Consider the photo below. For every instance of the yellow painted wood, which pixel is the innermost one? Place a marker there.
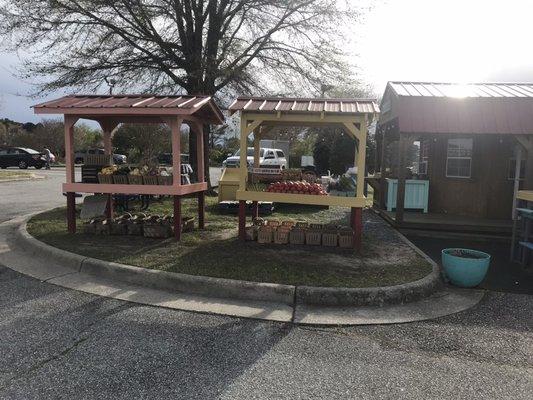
(526, 195)
(360, 161)
(302, 199)
(257, 148)
(304, 118)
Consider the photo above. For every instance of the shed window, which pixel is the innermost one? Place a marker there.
(459, 158)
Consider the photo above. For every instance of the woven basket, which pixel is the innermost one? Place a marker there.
(330, 239)
(288, 223)
(187, 224)
(105, 179)
(345, 240)
(135, 229)
(281, 236)
(164, 180)
(120, 179)
(316, 226)
(135, 179)
(251, 233)
(102, 229)
(89, 228)
(297, 236)
(313, 238)
(118, 229)
(302, 224)
(265, 234)
(273, 223)
(157, 231)
(150, 180)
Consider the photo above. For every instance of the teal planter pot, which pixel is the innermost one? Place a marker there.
(465, 267)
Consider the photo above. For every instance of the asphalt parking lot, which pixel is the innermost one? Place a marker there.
(58, 343)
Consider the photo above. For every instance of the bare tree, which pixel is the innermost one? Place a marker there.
(171, 46)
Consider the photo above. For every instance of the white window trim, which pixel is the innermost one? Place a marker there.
(459, 158)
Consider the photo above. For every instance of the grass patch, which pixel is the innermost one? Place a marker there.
(216, 252)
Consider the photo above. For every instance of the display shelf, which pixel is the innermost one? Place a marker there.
(302, 199)
(176, 190)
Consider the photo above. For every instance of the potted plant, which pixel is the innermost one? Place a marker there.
(465, 267)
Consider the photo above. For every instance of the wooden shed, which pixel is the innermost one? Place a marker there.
(453, 156)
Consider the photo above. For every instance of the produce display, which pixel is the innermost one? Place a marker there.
(298, 187)
(145, 175)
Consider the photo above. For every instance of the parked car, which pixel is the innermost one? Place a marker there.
(267, 158)
(21, 157)
(79, 156)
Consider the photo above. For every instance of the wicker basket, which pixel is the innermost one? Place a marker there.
(158, 231)
(265, 234)
(105, 179)
(89, 228)
(302, 224)
(150, 180)
(313, 238)
(330, 239)
(251, 233)
(345, 239)
(297, 236)
(281, 236)
(102, 229)
(120, 179)
(101, 160)
(135, 229)
(273, 223)
(164, 180)
(316, 226)
(118, 229)
(135, 179)
(187, 224)
(288, 223)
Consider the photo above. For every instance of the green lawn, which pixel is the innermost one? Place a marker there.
(216, 251)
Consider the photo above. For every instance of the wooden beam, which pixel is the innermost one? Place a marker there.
(175, 129)
(361, 160)
(400, 195)
(243, 164)
(70, 121)
(249, 128)
(303, 119)
(257, 148)
(382, 168)
(352, 130)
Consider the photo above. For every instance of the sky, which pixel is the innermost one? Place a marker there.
(420, 40)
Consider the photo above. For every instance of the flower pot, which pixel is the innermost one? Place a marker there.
(465, 267)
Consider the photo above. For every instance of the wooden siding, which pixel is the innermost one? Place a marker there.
(488, 193)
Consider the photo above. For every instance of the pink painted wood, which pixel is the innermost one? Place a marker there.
(175, 127)
(135, 189)
(69, 147)
(200, 151)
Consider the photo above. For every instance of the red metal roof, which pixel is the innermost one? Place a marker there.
(304, 105)
(133, 105)
(480, 108)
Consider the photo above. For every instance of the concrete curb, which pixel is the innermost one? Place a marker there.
(235, 289)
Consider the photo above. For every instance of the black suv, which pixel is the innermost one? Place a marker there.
(21, 157)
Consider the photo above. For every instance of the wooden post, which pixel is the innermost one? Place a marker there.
(382, 168)
(360, 159)
(71, 212)
(516, 177)
(200, 152)
(243, 165)
(242, 219)
(175, 128)
(177, 218)
(201, 210)
(108, 127)
(255, 209)
(357, 224)
(70, 171)
(257, 148)
(400, 195)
